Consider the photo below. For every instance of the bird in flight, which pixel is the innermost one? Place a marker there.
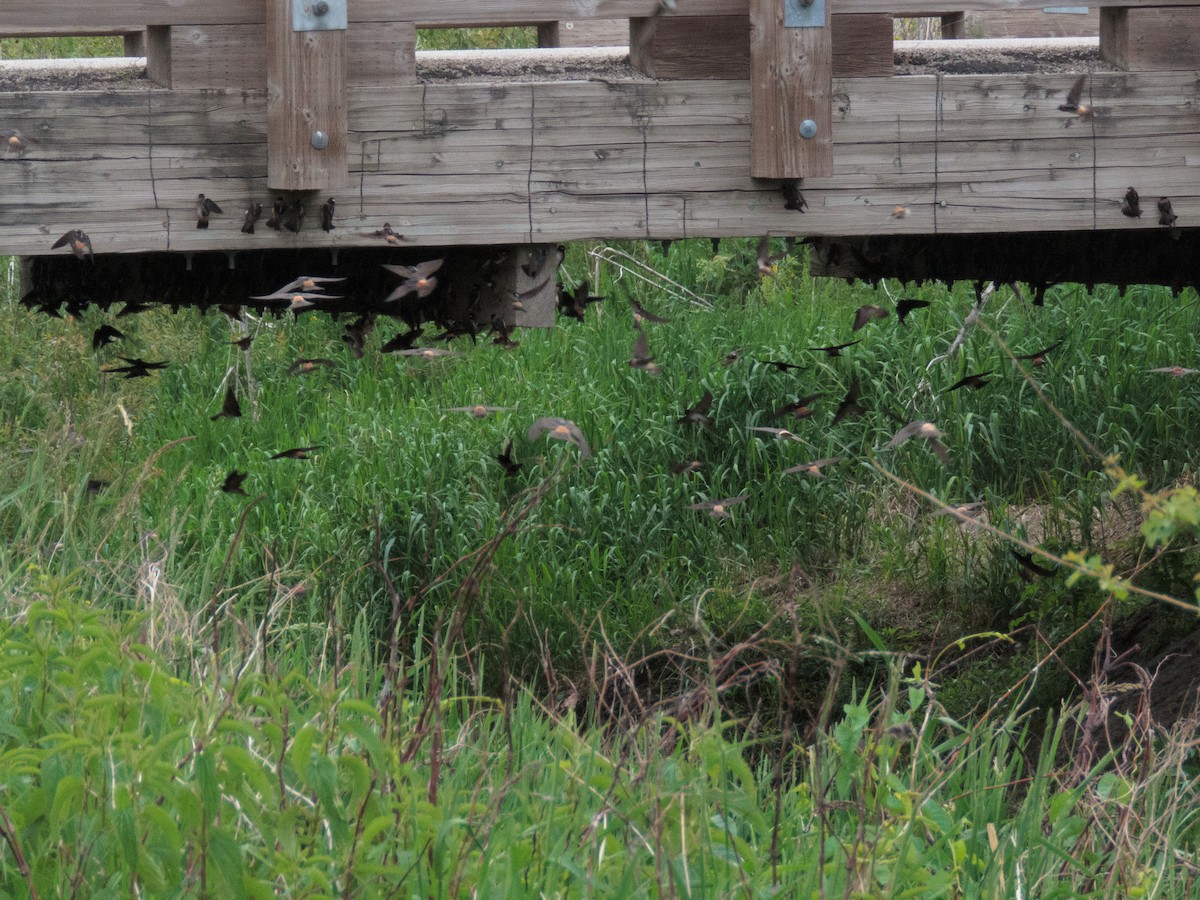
(813, 468)
(928, 432)
(975, 382)
(560, 430)
(233, 482)
(1038, 359)
(78, 241)
(719, 509)
(296, 452)
(834, 350)
(698, 414)
(865, 314)
(230, 409)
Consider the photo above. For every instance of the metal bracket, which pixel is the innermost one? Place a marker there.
(804, 13)
(320, 15)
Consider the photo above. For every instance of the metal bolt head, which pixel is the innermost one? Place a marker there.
(320, 8)
(808, 129)
(320, 140)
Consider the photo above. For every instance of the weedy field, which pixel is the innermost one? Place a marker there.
(393, 668)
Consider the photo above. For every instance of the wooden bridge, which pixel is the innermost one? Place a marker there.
(692, 132)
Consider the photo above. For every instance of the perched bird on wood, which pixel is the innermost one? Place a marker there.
(387, 234)
(278, 208)
(230, 409)
(504, 457)
(1038, 359)
(1131, 204)
(1025, 560)
(559, 430)
(418, 279)
(308, 366)
(641, 355)
(850, 405)
(865, 314)
(780, 365)
(293, 216)
(327, 209)
(719, 509)
(204, 207)
(1167, 217)
(1175, 371)
(233, 482)
(698, 414)
(78, 241)
(253, 211)
(975, 382)
(641, 314)
(105, 335)
(15, 141)
(835, 350)
(800, 409)
(135, 368)
(928, 432)
(905, 306)
(792, 198)
(813, 468)
(296, 452)
(480, 411)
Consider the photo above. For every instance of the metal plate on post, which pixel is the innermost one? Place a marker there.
(323, 15)
(798, 14)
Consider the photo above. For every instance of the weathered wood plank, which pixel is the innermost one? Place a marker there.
(1162, 38)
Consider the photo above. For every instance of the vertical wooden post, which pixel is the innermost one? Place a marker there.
(791, 78)
(306, 99)
(954, 26)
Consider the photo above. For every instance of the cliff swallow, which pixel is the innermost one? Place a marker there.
(719, 509)
(327, 209)
(504, 457)
(503, 334)
(305, 283)
(865, 314)
(242, 343)
(905, 306)
(204, 207)
(427, 352)
(800, 409)
(479, 411)
(1167, 217)
(975, 382)
(278, 208)
(1026, 562)
(96, 485)
(1073, 104)
(780, 365)
(850, 405)
(928, 432)
(15, 141)
(80, 243)
(402, 341)
(764, 259)
(813, 468)
(1038, 359)
(418, 279)
(230, 409)
(1174, 371)
(105, 335)
(293, 216)
(641, 355)
(835, 350)
(780, 434)
(1131, 204)
(792, 198)
(641, 314)
(135, 368)
(132, 308)
(559, 430)
(355, 335)
(296, 452)
(686, 468)
(537, 259)
(233, 482)
(304, 366)
(698, 414)
(574, 303)
(716, 245)
(731, 357)
(387, 234)
(253, 211)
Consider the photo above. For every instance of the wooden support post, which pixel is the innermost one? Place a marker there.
(954, 25)
(306, 100)
(791, 77)
(135, 43)
(1149, 39)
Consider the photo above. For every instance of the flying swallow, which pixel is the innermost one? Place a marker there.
(297, 452)
(1073, 104)
(204, 206)
(865, 314)
(242, 343)
(253, 211)
(731, 357)
(801, 408)
(136, 368)
(305, 283)
(479, 411)
(1131, 204)
(230, 409)
(132, 308)
(233, 482)
(504, 457)
(355, 335)
(80, 243)
(780, 365)
(1026, 562)
(294, 215)
(835, 350)
(105, 335)
(304, 366)
(1175, 371)
(278, 208)
(792, 198)
(641, 354)
(686, 468)
(559, 430)
(574, 303)
(402, 341)
(905, 306)
(764, 258)
(850, 405)
(96, 485)
(780, 434)
(641, 314)
(928, 432)
(503, 334)
(15, 141)
(327, 209)
(719, 509)
(813, 468)
(963, 510)
(418, 279)
(975, 382)
(1038, 359)
(698, 414)
(387, 234)
(427, 352)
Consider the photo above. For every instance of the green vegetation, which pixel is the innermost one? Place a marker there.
(60, 48)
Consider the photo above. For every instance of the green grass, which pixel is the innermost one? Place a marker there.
(60, 48)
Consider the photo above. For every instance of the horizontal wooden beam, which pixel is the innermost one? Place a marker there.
(460, 163)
